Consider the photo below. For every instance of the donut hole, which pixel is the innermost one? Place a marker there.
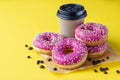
(68, 51)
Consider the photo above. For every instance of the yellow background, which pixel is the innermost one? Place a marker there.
(21, 20)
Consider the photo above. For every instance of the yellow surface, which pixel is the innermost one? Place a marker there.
(21, 20)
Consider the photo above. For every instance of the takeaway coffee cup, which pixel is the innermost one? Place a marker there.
(70, 16)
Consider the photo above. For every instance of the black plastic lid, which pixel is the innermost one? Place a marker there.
(71, 12)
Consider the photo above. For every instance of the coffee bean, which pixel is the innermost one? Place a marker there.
(49, 59)
(38, 61)
(98, 61)
(101, 69)
(89, 59)
(106, 68)
(30, 48)
(55, 69)
(26, 45)
(105, 72)
(28, 57)
(103, 60)
(94, 62)
(42, 66)
(107, 57)
(41, 61)
(118, 71)
(95, 70)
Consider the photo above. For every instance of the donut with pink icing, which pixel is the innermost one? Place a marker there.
(91, 33)
(44, 42)
(96, 51)
(69, 53)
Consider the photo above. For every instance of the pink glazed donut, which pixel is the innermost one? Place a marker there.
(96, 51)
(91, 34)
(44, 42)
(69, 53)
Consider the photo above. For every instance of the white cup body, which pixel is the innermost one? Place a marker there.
(67, 27)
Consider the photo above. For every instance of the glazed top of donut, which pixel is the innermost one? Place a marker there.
(46, 40)
(91, 32)
(78, 47)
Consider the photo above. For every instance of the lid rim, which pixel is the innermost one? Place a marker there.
(65, 17)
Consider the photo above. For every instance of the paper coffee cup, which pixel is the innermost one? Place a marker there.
(70, 16)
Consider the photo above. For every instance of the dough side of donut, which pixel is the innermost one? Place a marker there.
(73, 66)
(96, 55)
(43, 51)
(93, 43)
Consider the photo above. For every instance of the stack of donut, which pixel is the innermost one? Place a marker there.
(70, 53)
(94, 36)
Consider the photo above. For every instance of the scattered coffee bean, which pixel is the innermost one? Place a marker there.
(55, 69)
(94, 62)
(89, 59)
(95, 70)
(42, 66)
(105, 72)
(28, 57)
(30, 48)
(49, 59)
(101, 69)
(98, 61)
(118, 71)
(38, 61)
(26, 45)
(107, 57)
(106, 68)
(103, 60)
(41, 61)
